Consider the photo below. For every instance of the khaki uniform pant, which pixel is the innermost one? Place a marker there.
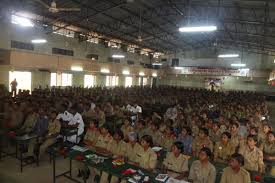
(104, 178)
(44, 146)
(31, 146)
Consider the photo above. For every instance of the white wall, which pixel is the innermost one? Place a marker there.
(197, 59)
(229, 82)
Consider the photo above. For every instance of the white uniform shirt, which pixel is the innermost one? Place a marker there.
(129, 107)
(137, 109)
(92, 106)
(66, 116)
(77, 119)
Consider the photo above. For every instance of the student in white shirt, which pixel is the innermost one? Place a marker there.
(64, 116)
(76, 121)
(137, 109)
(93, 105)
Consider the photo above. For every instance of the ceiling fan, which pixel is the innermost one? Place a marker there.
(53, 7)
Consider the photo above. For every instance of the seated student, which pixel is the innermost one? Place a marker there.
(104, 140)
(262, 135)
(215, 132)
(163, 125)
(90, 140)
(29, 123)
(53, 131)
(202, 140)
(40, 129)
(253, 156)
(235, 138)
(202, 171)
(243, 129)
(142, 155)
(41, 125)
(76, 122)
(194, 128)
(167, 138)
(146, 158)
(186, 138)
(154, 132)
(126, 128)
(118, 150)
(92, 134)
(176, 164)
(268, 148)
(132, 147)
(235, 173)
(223, 149)
(16, 117)
(100, 116)
(140, 129)
(64, 116)
(253, 131)
(102, 146)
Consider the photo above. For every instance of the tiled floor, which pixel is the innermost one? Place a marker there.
(10, 172)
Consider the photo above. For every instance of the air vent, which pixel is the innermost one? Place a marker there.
(92, 56)
(175, 62)
(59, 51)
(44, 70)
(22, 45)
(130, 62)
(116, 60)
(113, 60)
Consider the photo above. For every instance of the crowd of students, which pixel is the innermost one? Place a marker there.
(125, 123)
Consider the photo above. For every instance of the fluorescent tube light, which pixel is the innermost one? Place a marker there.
(125, 72)
(244, 69)
(141, 74)
(238, 65)
(22, 21)
(77, 68)
(154, 74)
(39, 41)
(63, 34)
(105, 70)
(178, 68)
(198, 29)
(228, 56)
(156, 63)
(118, 56)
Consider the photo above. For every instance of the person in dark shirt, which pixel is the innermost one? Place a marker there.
(13, 85)
(40, 129)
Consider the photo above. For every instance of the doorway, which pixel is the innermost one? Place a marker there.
(24, 80)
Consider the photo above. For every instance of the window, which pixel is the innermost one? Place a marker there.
(175, 62)
(24, 80)
(111, 80)
(130, 62)
(89, 81)
(128, 81)
(53, 79)
(60, 51)
(22, 45)
(66, 79)
(144, 81)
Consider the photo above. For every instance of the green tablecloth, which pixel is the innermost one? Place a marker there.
(108, 166)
